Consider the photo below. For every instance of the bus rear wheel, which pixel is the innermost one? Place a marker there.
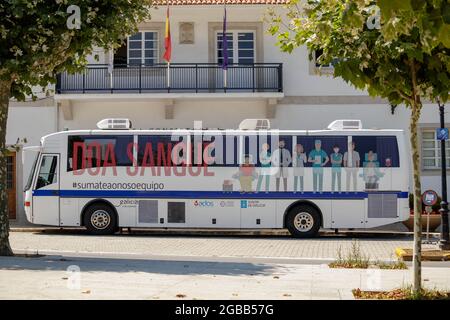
(100, 219)
(303, 221)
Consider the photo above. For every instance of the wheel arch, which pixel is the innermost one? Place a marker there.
(98, 201)
(300, 202)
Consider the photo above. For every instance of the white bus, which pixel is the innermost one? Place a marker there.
(342, 177)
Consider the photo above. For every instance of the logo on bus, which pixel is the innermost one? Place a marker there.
(203, 203)
(252, 204)
(228, 203)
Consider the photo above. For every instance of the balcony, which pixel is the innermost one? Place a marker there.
(179, 78)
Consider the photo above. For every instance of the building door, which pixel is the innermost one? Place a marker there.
(11, 184)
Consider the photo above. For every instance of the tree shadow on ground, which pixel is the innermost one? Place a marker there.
(124, 265)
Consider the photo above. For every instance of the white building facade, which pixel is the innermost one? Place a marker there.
(262, 82)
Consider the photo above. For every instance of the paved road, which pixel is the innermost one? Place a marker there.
(196, 267)
(280, 247)
(57, 277)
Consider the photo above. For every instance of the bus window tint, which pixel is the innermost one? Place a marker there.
(262, 146)
(313, 144)
(250, 148)
(231, 151)
(201, 151)
(98, 151)
(206, 151)
(157, 150)
(384, 149)
(264, 150)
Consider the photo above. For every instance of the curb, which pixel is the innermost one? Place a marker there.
(222, 232)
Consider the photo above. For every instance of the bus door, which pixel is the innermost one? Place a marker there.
(46, 191)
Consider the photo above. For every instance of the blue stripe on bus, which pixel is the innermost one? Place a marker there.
(210, 194)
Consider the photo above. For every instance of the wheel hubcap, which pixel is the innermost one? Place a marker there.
(303, 221)
(100, 219)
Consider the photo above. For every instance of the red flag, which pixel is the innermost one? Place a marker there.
(167, 40)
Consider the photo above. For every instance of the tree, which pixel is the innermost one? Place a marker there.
(41, 38)
(394, 49)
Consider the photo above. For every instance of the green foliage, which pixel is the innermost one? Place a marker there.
(35, 42)
(412, 43)
(397, 265)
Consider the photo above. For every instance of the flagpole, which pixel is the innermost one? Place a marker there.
(168, 76)
(168, 61)
(110, 68)
(225, 79)
(224, 35)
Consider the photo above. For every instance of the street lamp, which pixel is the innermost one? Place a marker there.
(444, 242)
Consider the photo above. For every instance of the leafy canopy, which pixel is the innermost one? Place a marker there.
(36, 43)
(383, 46)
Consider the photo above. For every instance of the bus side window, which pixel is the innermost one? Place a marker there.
(383, 150)
(47, 171)
(206, 151)
(311, 146)
(156, 151)
(96, 151)
(250, 149)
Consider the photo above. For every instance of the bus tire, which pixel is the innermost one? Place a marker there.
(100, 219)
(303, 221)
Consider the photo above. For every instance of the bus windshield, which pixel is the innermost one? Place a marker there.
(30, 176)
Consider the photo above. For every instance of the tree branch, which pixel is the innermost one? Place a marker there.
(412, 66)
(404, 95)
(401, 93)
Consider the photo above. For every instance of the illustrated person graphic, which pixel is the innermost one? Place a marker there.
(319, 159)
(351, 164)
(299, 160)
(336, 164)
(388, 163)
(281, 157)
(371, 171)
(246, 175)
(265, 160)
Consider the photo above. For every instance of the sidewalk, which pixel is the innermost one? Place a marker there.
(105, 278)
(325, 247)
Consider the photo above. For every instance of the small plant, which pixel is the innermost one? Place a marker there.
(405, 293)
(353, 259)
(356, 259)
(398, 265)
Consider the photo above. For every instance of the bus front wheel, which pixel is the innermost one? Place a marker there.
(100, 219)
(303, 221)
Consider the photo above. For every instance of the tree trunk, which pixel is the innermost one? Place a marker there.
(417, 252)
(5, 248)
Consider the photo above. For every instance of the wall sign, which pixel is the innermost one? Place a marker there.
(442, 133)
(186, 33)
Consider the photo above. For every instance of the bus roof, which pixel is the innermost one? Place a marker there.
(222, 131)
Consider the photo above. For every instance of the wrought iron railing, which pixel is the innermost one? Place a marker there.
(179, 77)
